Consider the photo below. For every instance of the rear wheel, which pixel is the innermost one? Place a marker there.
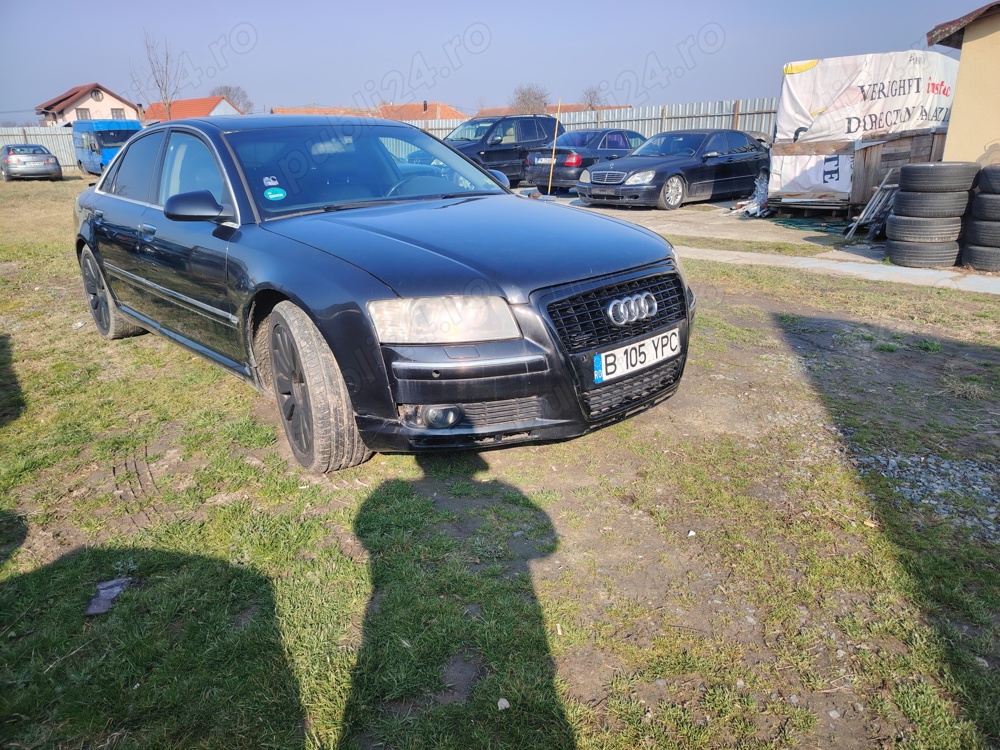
(313, 402)
(6, 177)
(673, 193)
(108, 319)
(544, 189)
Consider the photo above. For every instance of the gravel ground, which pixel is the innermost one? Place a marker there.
(966, 492)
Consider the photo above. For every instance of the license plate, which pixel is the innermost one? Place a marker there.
(625, 360)
(602, 191)
(544, 160)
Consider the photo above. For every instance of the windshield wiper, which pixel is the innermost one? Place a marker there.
(363, 204)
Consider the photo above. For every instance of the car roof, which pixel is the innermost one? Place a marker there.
(234, 123)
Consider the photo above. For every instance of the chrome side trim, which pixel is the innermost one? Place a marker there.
(172, 295)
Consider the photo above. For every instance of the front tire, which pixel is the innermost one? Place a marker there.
(103, 308)
(673, 193)
(312, 399)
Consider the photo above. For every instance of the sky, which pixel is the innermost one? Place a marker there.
(466, 54)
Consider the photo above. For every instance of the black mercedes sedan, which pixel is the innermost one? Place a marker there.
(385, 309)
(574, 152)
(672, 168)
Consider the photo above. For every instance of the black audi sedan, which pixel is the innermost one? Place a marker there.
(574, 152)
(672, 168)
(385, 309)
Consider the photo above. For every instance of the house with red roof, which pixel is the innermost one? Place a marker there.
(329, 111)
(89, 101)
(208, 106)
(420, 111)
(403, 112)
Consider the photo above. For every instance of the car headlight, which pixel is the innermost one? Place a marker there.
(585, 176)
(443, 320)
(641, 178)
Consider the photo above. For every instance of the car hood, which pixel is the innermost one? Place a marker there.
(642, 163)
(499, 244)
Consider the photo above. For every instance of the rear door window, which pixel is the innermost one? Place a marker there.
(528, 130)
(135, 169)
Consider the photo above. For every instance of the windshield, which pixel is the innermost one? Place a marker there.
(576, 139)
(671, 144)
(113, 138)
(473, 130)
(323, 167)
(28, 150)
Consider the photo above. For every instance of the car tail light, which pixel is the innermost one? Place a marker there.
(50, 160)
(574, 160)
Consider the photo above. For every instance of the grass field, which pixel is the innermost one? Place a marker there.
(728, 569)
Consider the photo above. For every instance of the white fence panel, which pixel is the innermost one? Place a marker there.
(741, 114)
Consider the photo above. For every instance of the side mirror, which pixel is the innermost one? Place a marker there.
(495, 140)
(199, 205)
(500, 177)
(710, 155)
(94, 147)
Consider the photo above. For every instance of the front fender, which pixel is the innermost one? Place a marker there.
(331, 292)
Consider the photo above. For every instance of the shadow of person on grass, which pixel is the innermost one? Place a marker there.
(454, 650)
(189, 655)
(11, 397)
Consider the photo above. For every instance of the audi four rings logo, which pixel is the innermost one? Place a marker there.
(627, 310)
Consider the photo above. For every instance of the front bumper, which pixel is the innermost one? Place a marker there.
(619, 195)
(541, 387)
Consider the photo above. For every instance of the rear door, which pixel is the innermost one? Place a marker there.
(124, 198)
(746, 162)
(184, 262)
(717, 170)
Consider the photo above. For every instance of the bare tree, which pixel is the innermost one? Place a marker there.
(237, 96)
(529, 99)
(592, 96)
(161, 76)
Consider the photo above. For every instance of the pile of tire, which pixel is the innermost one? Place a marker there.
(926, 219)
(981, 249)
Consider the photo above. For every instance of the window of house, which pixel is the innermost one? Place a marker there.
(82, 113)
(117, 114)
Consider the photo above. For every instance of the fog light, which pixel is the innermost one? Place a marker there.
(440, 417)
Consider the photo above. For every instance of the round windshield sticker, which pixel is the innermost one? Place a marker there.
(274, 194)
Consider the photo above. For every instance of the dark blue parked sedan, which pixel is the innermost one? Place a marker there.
(672, 168)
(574, 152)
(385, 305)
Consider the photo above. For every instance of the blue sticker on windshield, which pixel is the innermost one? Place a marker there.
(274, 194)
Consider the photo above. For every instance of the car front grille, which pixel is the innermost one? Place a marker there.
(607, 178)
(493, 413)
(634, 389)
(582, 324)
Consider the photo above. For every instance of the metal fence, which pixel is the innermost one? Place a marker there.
(740, 114)
(57, 140)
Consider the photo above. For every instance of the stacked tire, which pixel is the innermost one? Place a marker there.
(982, 234)
(926, 219)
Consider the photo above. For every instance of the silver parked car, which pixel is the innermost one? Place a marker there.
(26, 160)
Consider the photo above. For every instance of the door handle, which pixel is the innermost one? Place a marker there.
(147, 229)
